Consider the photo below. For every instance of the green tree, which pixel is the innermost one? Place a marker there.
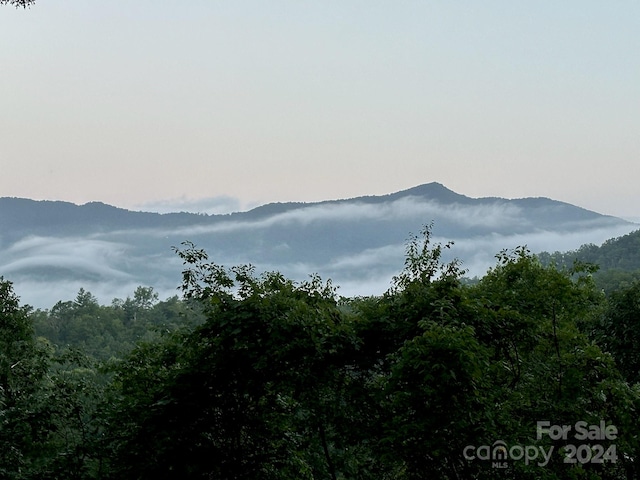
(427, 365)
(618, 330)
(253, 392)
(109, 331)
(258, 376)
(23, 365)
(460, 365)
(69, 446)
(533, 318)
(18, 3)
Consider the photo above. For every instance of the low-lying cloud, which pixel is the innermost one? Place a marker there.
(493, 215)
(221, 204)
(96, 257)
(359, 245)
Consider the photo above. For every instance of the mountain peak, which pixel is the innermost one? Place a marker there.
(432, 191)
(356, 242)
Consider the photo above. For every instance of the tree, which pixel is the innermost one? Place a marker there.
(534, 319)
(254, 392)
(428, 365)
(23, 365)
(464, 365)
(18, 3)
(69, 446)
(619, 330)
(258, 376)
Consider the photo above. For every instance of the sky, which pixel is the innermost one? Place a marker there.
(219, 106)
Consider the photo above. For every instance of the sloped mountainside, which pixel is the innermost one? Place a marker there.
(50, 249)
(618, 260)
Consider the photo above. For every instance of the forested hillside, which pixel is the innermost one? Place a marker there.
(531, 373)
(618, 260)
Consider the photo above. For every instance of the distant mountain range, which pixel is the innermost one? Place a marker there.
(50, 249)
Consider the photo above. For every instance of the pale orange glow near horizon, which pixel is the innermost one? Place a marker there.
(254, 102)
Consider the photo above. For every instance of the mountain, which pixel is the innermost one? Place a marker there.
(618, 260)
(50, 249)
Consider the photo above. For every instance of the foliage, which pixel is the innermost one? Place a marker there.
(618, 330)
(618, 260)
(545, 367)
(18, 3)
(248, 394)
(105, 332)
(23, 365)
(256, 376)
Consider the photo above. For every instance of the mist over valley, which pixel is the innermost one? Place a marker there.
(52, 249)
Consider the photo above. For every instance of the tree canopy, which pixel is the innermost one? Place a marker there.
(18, 3)
(253, 375)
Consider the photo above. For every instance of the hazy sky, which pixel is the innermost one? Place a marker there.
(236, 103)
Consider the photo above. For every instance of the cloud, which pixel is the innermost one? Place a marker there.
(45, 294)
(66, 246)
(491, 215)
(220, 204)
(369, 258)
(87, 256)
(478, 253)
(360, 246)
(79, 266)
(45, 270)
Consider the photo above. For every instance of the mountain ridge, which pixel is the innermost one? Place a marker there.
(359, 242)
(433, 191)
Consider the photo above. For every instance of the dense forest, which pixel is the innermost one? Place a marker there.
(618, 260)
(529, 373)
